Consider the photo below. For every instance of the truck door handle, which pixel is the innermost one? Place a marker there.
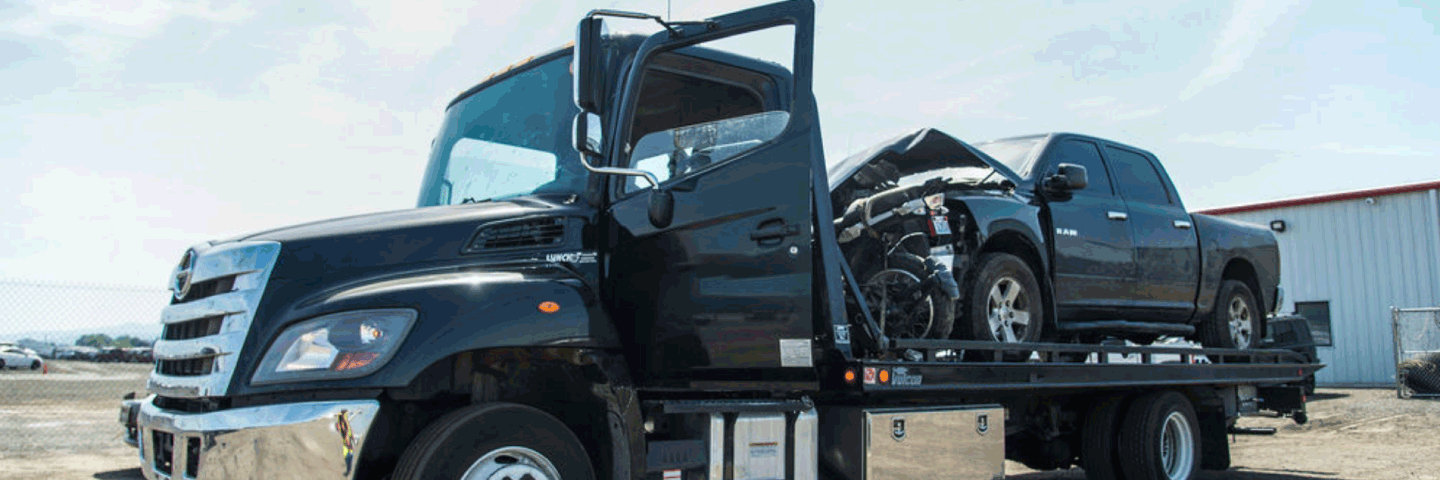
(1182, 224)
(773, 230)
(1113, 215)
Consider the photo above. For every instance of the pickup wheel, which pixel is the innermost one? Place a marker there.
(1160, 438)
(1003, 304)
(1235, 320)
(35, 365)
(497, 441)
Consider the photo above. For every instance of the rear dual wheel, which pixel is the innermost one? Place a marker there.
(1156, 436)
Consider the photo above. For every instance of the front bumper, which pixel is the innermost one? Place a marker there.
(311, 441)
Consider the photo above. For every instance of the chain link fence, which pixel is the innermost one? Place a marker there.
(57, 396)
(1417, 351)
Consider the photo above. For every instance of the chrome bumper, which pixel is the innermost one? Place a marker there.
(311, 441)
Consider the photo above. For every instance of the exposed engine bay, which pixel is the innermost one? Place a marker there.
(906, 243)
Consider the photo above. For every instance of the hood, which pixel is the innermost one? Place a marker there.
(380, 241)
(917, 151)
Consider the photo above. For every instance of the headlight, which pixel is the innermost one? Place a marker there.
(339, 345)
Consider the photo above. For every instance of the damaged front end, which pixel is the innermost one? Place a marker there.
(900, 232)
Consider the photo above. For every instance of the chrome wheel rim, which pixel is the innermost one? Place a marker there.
(1008, 310)
(1177, 447)
(898, 315)
(1241, 322)
(512, 463)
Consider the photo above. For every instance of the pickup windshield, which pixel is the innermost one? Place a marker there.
(509, 139)
(1016, 153)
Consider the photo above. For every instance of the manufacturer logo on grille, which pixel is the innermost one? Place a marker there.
(180, 281)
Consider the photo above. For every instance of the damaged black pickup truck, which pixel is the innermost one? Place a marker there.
(1057, 237)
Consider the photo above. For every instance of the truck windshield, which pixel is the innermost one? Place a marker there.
(509, 139)
(1016, 153)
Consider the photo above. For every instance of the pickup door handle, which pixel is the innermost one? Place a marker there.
(1114, 215)
(1182, 224)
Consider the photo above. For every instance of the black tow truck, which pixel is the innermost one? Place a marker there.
(624, 266)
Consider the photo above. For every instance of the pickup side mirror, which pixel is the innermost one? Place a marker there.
(1068, 177)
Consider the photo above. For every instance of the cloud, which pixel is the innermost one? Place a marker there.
(1109, 109)
(102, 31)
(1237, 41)
(1387, 150)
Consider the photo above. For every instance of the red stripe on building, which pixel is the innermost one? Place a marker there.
(1326, 198)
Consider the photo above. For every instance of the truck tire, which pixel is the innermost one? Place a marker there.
(1235, 321)
(1004, 302)
(1160, 438)
(1097, 440)
(495, 441)
(34, 364)
(2, 364)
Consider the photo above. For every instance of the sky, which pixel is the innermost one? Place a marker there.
(134, 128)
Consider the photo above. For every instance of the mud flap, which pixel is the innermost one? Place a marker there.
(1214, 443)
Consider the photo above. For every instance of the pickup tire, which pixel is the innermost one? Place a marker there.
(1235, 321)
(1004, 302)
(1160, 438)
(496, 441)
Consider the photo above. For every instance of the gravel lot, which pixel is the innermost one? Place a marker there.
(62, 426)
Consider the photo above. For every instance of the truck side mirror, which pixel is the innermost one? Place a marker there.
(1068, 177)
(587, 59)
(588, 134)
(662, 207)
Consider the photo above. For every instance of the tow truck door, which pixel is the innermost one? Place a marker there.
(720, 291)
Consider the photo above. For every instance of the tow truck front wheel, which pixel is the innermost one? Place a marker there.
(498, 441)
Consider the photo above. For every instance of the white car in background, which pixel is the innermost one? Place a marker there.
(16, 357)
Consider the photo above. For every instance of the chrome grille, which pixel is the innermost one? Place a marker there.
(185, 368)
(205, 327)
(200, 327)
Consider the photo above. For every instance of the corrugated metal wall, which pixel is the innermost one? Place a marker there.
(1362, 258)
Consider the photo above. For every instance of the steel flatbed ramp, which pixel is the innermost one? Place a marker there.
(945, 365)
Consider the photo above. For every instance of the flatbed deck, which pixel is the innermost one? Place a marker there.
(952, 365)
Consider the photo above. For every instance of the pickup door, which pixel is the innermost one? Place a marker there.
(1094, 256)
(1166, 250)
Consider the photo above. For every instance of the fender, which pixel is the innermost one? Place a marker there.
(1223, 240)
(459, 310)
(998, 215)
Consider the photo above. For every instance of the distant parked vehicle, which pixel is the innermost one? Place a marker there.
(16, 357)
(139, 355)
(111, 355)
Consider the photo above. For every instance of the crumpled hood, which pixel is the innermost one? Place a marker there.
(922, 149)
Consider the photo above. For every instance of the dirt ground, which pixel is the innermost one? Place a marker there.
(63, 426)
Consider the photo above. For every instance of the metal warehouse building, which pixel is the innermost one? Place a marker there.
(1346, 258)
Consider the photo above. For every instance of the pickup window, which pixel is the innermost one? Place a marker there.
(1086, 154)
(1137, 177)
